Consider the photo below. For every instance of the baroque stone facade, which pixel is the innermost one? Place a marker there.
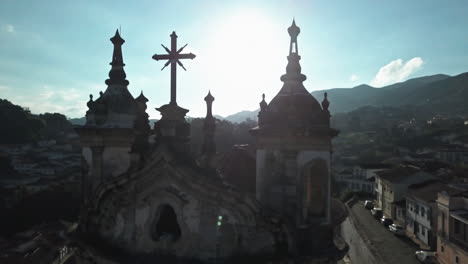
(144, 195)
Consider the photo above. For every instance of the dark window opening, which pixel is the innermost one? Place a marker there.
(167, 228)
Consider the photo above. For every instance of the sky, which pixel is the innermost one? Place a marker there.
(53, 54)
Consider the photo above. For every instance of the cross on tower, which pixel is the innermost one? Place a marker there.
(172, 58)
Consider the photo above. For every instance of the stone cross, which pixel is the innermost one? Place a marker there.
(174, 55)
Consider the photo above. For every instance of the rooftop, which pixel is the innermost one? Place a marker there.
(461, 215)
(428, 191)
(404, 174)
(371, 166)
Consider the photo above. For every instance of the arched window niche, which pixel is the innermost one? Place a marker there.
(166, 227)
(315, 189)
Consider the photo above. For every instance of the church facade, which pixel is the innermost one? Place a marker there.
(145, 195)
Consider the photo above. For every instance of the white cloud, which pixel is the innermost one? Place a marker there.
(353, 77)
(8, 28)
(77, 109)
(70, 94)
(69, 102)
(46, 94)
(396, 71)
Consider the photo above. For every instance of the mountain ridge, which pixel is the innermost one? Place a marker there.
(440, 92)
(397, 94)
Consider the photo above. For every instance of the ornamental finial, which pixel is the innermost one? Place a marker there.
(263, 104)
(117, 74)
(142, 98)
(325, 102)
(209, 102)
(293, 31)
(90, 102)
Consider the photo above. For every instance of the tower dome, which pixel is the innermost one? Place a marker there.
(293, 106)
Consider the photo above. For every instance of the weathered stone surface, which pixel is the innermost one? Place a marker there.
(125, 212)
(147, 200)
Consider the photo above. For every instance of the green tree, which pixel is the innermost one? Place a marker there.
(55, 125)
(18, 124)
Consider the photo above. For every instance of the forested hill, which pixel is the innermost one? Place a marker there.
(20, 126)
(441, 93)
(438, 93)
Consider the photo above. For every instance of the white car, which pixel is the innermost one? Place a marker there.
(396, 229)
(425, 256)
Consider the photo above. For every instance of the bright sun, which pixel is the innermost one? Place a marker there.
(245, 58)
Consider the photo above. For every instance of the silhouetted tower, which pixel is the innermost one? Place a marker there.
(142, 128)
(117, 74)
(109, 132)
(294, 148)
(209, 126)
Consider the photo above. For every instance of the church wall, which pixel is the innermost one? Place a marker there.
(120, 120)
(279, 178)
(360, 249)
(275, 180)
(86, 178)
(307, 156)
(130, 221)
(86, 152)
(132, 224)
(116, 161)
(260, 175)
(148, 215)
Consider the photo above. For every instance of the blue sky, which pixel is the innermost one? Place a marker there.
(53, 54)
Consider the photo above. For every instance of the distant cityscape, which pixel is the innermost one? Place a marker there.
(358, 175)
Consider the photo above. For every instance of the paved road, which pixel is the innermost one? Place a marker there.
(393, 249)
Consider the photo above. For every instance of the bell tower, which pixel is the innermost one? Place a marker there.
(109, 132)
(294, 148)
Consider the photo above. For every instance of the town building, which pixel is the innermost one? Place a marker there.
(361, 178)
(453, 154)
(452, 228)
(393, 185)
(45, 243)
(421, 211)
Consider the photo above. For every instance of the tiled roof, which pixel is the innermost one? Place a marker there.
(398, 174)
(428, 191)
(371, 166)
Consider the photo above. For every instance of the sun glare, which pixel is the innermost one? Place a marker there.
(244, 59)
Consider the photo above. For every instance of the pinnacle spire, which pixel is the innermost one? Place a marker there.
(293, 69)
(142, 98)
(118, 41)
(209, 126)
(293, 31)
(117, 38)
(209, 102)
(263, 103)
(325, 102)
(117, 74)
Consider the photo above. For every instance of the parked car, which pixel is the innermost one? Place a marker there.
(426, 256)
(377, 213)
(396, 229)
(386, 221)
(368, 204)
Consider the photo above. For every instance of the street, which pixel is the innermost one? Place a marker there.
(392, 249)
